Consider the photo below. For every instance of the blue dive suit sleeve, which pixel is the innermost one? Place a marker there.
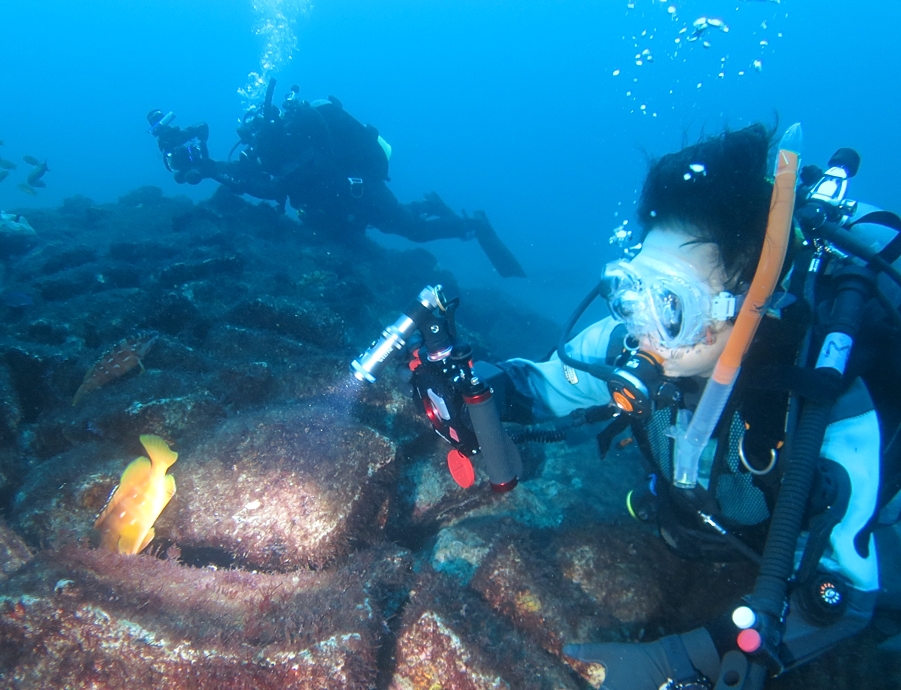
(548, 389)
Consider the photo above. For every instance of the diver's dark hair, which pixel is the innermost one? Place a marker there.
(720, 187)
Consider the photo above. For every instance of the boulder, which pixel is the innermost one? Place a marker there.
(16, 235)
(81, 618)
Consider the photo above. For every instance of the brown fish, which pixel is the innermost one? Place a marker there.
(7, 165)
(31, 160)
(3, 175)
(124, 357)
(28, 189)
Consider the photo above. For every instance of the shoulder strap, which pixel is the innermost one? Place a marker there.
(892, 250)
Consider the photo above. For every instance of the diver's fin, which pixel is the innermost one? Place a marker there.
(497, 252)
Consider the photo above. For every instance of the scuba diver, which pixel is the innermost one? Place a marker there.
(331, 168)
(753, 351)
(749, 363)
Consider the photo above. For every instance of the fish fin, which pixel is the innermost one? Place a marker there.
(135, 473)
(128, 542)
(109, 540)
(159, 450)
(151, 533)
(89, 384)
(170, 487)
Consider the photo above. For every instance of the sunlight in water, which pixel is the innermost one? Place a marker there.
(276, 24)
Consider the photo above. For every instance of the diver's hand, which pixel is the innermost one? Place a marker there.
(434, 205)
(649, 666)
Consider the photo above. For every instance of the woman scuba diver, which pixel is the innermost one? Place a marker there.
(729, 351)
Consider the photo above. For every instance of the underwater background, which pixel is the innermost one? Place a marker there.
(316, 538)
(502, 105)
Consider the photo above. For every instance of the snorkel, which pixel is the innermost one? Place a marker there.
(692, 436)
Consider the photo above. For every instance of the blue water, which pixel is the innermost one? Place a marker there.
(511, 106)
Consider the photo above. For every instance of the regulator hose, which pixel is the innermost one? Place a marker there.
(771, 586)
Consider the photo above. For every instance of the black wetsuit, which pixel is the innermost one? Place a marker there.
(333, 170)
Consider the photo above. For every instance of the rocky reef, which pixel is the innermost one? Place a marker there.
(315, 539)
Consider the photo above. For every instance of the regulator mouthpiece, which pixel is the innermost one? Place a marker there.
(638, 386)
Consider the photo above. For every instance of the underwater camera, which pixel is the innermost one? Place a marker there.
(184, 150)
(458, 404)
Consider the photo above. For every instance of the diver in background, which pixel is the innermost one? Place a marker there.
(329, 167)
(704, 217)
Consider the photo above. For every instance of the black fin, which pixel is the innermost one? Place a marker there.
(500, 257)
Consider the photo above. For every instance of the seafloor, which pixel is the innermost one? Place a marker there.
(316, 539)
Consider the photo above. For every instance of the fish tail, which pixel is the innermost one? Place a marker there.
(159, 450)
(90, 384)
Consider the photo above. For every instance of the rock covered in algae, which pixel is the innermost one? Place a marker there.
(611, 583)
(77, 618)
(16, 234)
(524, 587)
(449, 639)
(13, 551)
(277, 490)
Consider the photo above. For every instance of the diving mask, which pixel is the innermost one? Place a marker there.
(655, 300)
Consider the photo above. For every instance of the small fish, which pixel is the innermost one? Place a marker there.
(126, 522)
(31, 160)
(28, 189)
(3, 175)
(7, 165)
(37, 172)
(124, 357)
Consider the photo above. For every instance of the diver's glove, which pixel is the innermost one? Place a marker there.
(675, 662)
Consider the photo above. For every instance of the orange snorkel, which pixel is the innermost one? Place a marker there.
(691, 438)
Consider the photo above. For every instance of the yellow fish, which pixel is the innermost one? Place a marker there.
(126, 522)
